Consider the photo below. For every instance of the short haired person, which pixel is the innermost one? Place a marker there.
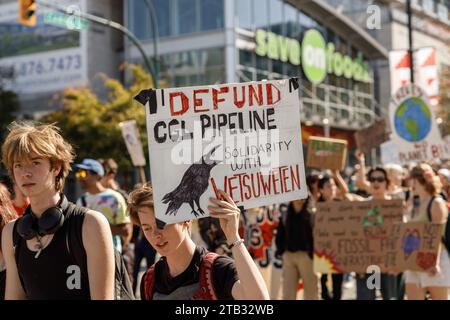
(177, 275)
(436, 280)
(104, 200)
(39, 264)
(111, 168)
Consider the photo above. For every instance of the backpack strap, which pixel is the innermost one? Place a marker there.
(206, 290)
(149, 282)
(430, 218)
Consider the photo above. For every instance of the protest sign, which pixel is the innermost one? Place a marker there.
(418, 244)
(351, 236)
(130, 134)
(372, 136)
(241, 138)
(389, 153)
(326, 153)
(414, 129)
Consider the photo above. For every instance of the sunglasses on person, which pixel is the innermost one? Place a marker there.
(82, 174)
(377, 179)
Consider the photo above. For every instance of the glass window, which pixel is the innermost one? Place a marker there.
(212, 14)
(262, 76)
(291, 70)
(214, 76)
(243, 13)
(277, 66)
(260, 13)
(215, 57)
(187, 16)
(276, 16)
(245, 58)
(245, 76)
(262, 63)
(139, 20)
(164, 63)
(292, 27)
(162, 13)
(306, 22)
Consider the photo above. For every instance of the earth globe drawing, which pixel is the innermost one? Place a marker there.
(412, 119)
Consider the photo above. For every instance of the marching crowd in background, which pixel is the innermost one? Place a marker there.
(209, 258)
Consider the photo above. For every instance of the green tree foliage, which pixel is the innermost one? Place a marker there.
(92, 124)
(9, 105)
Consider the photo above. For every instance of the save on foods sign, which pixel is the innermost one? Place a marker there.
(317, 57)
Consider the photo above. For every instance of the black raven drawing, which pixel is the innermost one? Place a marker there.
(193, 184)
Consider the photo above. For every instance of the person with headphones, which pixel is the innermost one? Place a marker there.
(36, 247)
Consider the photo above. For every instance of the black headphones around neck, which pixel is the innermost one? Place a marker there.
(29, 226)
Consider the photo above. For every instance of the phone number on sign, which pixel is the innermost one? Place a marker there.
(49, 65)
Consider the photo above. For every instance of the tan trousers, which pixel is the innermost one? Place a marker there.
(298, 265)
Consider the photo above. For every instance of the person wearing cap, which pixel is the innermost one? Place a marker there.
(104, 200)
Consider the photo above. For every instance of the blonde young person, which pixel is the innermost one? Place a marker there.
(187, 271)
(436, 280)
(35, 247)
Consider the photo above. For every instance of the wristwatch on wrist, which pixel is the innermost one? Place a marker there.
(235, 243)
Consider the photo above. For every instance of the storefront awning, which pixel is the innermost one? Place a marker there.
(343, 26)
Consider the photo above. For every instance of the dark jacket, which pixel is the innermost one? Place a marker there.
(295, 231)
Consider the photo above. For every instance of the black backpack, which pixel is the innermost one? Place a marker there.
(74, 239)
(446, 237)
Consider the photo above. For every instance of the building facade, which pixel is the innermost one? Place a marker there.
(39, 62)
(430, 28)
(215, 41)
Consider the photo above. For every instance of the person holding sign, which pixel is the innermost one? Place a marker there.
(186, 271)
(329, 186)
(436, 281)
(378, 187)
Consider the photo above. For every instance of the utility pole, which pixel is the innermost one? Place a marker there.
(154, 21)
(108, 23)
(410, 40)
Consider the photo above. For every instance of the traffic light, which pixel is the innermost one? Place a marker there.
(27, 13)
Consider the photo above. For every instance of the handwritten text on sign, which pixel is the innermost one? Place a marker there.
(326, 153)
(241, 138)
(350, 236)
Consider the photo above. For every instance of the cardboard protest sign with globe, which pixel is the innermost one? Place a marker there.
(414, 129)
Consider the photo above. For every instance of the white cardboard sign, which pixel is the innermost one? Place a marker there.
(414, 129)
(242, 138)
(130, 134)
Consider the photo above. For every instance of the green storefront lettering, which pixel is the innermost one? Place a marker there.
(316, 57)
